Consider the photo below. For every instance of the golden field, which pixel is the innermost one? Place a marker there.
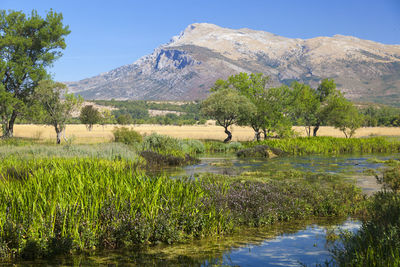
(79, 134)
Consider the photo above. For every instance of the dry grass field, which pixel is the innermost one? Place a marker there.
(79, 133)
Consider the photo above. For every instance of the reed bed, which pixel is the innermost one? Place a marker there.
(55, 206)
(332, 145)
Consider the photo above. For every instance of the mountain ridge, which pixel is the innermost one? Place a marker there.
(188, 65)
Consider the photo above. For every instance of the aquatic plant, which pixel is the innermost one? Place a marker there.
(377, 243)
(54, 206)
(331, 145)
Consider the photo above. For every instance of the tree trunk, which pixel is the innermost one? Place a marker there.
(9, 131)
(308, 131)
(58, 137)
(316, 128)
(265, 134)
(229, 138)
(257, 135)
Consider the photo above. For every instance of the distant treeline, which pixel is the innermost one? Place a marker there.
(137, 112)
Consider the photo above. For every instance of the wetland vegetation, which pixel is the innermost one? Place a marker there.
(57, 200)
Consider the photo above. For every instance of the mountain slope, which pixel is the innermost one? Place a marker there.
(186, 67)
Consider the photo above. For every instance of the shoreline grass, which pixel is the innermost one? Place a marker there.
(331, 145)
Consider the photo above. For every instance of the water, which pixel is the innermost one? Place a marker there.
(354, 167)
(288, 244)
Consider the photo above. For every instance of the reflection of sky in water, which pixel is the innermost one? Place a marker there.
(306, 246)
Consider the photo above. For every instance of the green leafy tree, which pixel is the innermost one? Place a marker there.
(277, 103)
(57, 103)
(253, 87)
(343, 115)
(306, 105)
(106, 117)
(28, 46)
(327, 88)
(228, 107)
(124, 119)
(89, 116)
(7, 105)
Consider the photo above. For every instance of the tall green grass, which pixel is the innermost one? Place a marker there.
(331, 145)
(54, 206)
(69, 204)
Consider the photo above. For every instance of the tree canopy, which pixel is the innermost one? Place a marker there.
(28, 46)
(228, 107)
(89, 116)
(57, 103)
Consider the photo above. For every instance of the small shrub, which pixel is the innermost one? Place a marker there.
(234, 146)
(162, 144)
(127, 136)
(193, 146)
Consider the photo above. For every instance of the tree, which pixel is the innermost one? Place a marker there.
(277, 103)
(89, 116)
(325, 89)
(106, 117)
(7, 105)
(28, 46)
(306, 105)
(343, 115)
(253, 87)
(228, 107)
(124, 119)
(57, 109)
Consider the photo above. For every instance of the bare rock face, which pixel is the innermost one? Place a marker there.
(186, 67)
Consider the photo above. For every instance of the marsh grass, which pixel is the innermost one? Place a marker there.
(55, 206)
(331, 145)
(28, 150)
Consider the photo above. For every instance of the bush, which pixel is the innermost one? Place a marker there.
(193, 146)
(127, 136)
(162, 144)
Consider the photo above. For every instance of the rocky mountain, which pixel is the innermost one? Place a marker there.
(187, 66)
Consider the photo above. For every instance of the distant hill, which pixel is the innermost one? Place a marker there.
(186, 67)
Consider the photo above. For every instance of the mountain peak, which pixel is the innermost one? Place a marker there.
(187, 67)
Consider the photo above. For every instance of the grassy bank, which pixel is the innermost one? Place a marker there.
(50, 207)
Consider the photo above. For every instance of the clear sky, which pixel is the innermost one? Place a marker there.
(106, 34)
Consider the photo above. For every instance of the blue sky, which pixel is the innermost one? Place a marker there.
(108, 34)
